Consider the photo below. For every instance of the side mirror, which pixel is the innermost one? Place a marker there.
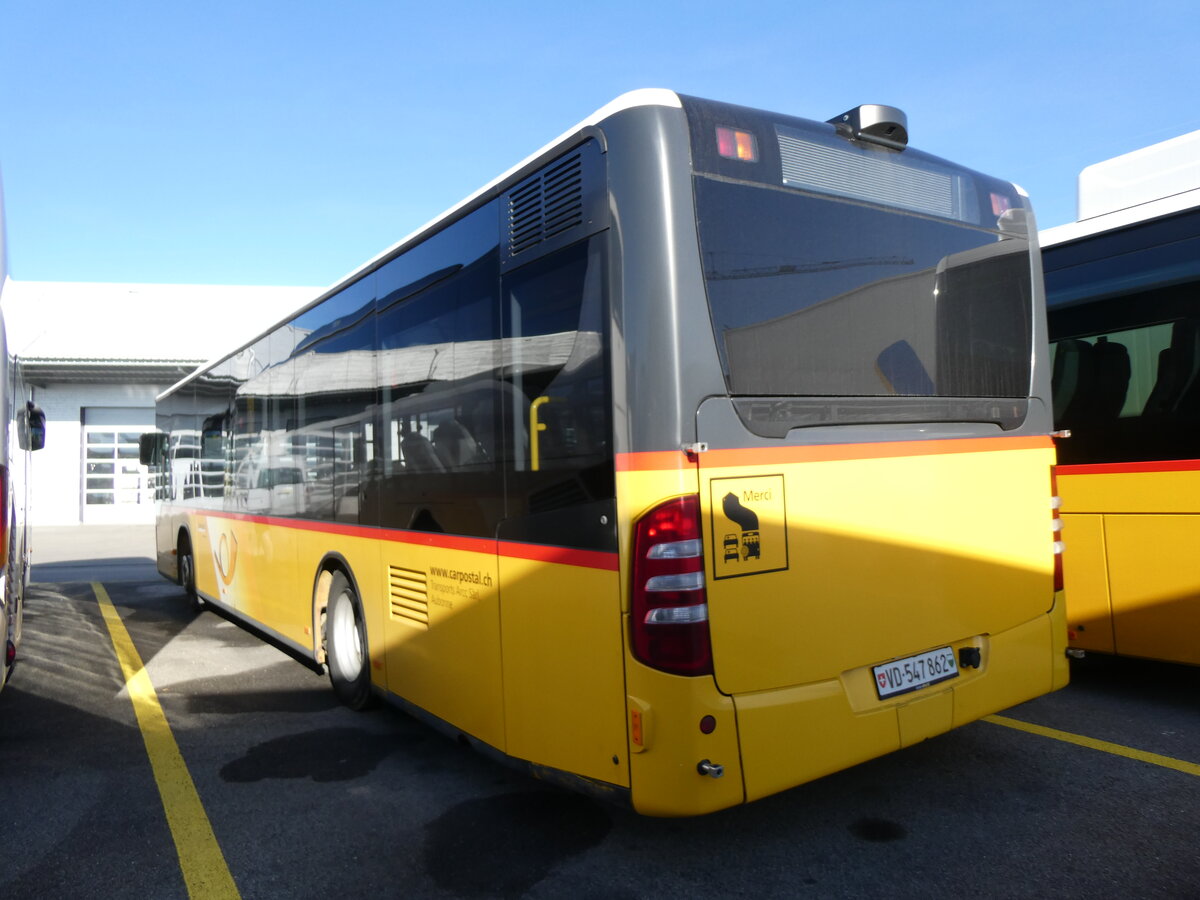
(152, 448)
(36, 425)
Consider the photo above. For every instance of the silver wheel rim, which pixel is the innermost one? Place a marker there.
(185, 570)
(345, 637)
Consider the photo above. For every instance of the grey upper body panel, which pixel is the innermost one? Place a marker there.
(667, 373)
(669, 389)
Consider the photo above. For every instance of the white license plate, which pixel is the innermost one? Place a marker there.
(915, 672)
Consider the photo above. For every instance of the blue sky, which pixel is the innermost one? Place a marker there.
(286, 142)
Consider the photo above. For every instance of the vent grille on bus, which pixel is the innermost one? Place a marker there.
(409, 591)
(880, 177)
(547, 205)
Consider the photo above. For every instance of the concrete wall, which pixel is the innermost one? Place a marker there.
(58, 468)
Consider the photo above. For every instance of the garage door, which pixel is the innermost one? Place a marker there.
(115, 487)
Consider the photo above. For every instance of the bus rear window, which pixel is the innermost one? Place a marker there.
(847, 312)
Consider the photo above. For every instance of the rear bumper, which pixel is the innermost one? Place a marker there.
(793, 735)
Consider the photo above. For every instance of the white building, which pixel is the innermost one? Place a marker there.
(96, 355)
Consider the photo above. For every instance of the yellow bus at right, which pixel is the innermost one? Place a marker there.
(1123, 301)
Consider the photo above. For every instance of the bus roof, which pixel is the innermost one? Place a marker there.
(1146, 184)
(628, 100)
(643, 97)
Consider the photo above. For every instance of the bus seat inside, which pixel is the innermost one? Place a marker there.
(1071, 380)
(1110, 361)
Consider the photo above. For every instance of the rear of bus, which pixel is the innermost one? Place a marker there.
(834, 475)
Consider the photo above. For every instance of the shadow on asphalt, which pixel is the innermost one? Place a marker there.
(1138, 679)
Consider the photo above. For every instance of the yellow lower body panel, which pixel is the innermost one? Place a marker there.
(1132, 583)
(562, 674)
(1155, 586)
(664, 776)
(796, 734)
(925, 717)
(1085, 570)
(1022, 663)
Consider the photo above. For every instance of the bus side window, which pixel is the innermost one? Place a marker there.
(557, 411)
(439, 368)
(1185, 362)
(214, 440)
(1108, 387)
(554, 350)
(1112, 378)
(1071, 379)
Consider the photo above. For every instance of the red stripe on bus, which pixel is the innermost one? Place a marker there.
(432, 539)
(587, 559)
(298, 524)
(751, 456)
(1162, 465)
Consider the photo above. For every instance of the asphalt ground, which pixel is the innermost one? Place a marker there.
(106, 553)
(292, 795)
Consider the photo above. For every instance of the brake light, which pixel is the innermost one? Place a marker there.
(669, 603)
(1056, 526)
(734, 144)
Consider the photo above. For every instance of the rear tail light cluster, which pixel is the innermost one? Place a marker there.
(669, 604)
(735, 144)
(1057, 527)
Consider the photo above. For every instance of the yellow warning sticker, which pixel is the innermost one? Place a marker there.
(749, 525)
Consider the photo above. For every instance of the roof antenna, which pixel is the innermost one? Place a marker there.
(883, 125)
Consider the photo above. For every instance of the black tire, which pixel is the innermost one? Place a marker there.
(187, 574)
(346, 645)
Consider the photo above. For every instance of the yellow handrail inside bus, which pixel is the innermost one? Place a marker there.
(534, 427)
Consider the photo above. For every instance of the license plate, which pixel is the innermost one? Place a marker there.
(915, 672)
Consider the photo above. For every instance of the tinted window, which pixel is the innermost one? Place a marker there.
(214, 392)
(252, 372)
(325, 403)
(817, 297)
(557, 403)
(1125, 338)
(439, 371)
(176, 417)
(1133, 260)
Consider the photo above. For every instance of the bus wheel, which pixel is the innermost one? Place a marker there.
(187, 574)
(346, 645)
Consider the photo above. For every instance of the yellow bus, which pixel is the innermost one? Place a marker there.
(1121, 284)
(703, 453)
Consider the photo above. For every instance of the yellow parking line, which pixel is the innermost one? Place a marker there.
(204, 869)
(1155, 759)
